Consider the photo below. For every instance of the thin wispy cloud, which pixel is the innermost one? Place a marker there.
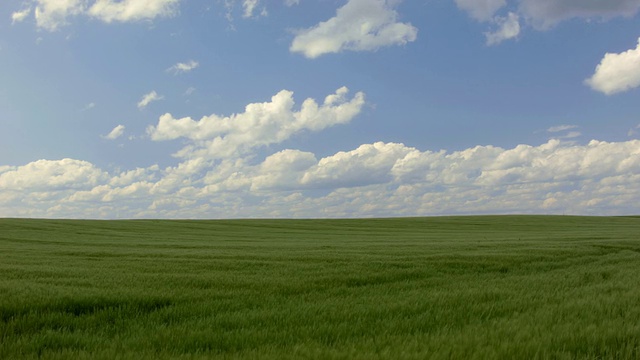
(181, 68)
(559, 128)
(508, 28)
(249, 6)
(115, 133)
(89, 106)
(571, 135)
(148, 99)
(540, 14)
(20, 16)
(564, 132)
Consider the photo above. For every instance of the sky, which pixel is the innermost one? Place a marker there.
(318, 108)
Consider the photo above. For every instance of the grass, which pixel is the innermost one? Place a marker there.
(488, 287)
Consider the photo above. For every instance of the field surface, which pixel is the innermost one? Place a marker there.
(487, 287)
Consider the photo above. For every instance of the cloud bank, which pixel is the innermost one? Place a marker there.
(223, 172)
(379, 179)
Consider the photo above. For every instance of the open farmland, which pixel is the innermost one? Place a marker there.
(444, 287)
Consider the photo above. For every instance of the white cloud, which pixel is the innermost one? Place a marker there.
(149, 98)
(508, 28)
(19, 16)
(368, 164)
(181, 68)
(51, 14)
(482, 10)
(541, 14)
(261, 124)
(52, 175)
(249, 6)
(617, 72)
(138, 175)
(132, 10)
(559, 128)
(572, 135)
(380, 179)
(544, 14)
(282, 170)
(360, 25)
(225, 170)
(291, 2)
(556, 130)
(89, 106)
(115, 133)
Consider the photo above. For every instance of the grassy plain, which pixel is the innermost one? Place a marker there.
(487, 287)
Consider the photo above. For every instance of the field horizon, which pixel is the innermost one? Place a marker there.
(473, 287)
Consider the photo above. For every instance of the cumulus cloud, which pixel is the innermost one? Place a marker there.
(52, 175)
(379, 179)
(115, 133)
(19, 16)
(617, 72)
(132, 10)
(282, 170)
(181, 68)
(360, 25)
(368, 164)
(225, 170)
(508, 28)
(544, 14)
(261, 124)
(149, 98)
(51, 14)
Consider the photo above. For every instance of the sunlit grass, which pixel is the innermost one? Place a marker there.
(449, 287)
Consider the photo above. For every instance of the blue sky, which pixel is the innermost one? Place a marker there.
(317, 108)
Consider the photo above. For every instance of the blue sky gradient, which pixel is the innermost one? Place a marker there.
(450, 120)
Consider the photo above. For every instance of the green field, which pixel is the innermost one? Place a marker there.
(486, 287)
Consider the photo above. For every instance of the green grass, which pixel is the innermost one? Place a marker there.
(490, 287)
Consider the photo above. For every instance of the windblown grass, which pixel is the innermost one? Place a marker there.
(490, 287)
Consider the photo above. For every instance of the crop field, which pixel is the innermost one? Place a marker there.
(481, 287)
